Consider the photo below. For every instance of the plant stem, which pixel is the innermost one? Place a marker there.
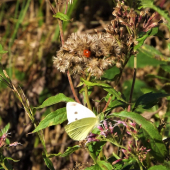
(3, 165)
(107, 104)
(62, 41)
(133, 84)
(87, 97)
(72, 88)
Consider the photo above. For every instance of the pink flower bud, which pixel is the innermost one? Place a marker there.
(100, 128)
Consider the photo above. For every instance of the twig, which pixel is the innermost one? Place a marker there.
(148, 115)
(66, 6)
(107, 104)
(72, 88)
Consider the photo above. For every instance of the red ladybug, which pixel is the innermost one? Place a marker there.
(87, 53)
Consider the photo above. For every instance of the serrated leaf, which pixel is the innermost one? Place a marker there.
(148, 100)
(53, 118)
(150, 4)
(61, 16)
(158, 167)
(101, 84)
(141, 40)
(157, 146)
(48, 162)
(55, 99)
(146, 3)
(69, 151)
(114, 93)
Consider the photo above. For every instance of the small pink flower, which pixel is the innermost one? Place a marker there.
(105, 124)
(100, 128)
(15, 144)
(115, 162)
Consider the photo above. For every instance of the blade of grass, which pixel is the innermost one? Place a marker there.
(24, 9)
(16, 9)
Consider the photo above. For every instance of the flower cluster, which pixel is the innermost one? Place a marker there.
(127, 23)
(3, 139)
(106, 129)
(135, 149)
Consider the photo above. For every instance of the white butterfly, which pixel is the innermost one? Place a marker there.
(81, 121)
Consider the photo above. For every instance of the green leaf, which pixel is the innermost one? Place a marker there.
(111, 73)
(148, 100)
(152, 52)
(158, 77)
(107, 88)
(167, 164)
(61, 16)
(1, 50)
(5, 129)
(158, 167)
(147, 57)
(69, 151)
(95, 148)
(157, 146)
(101, 165)
(141, 40)
(94, 167)
(104, 165)
(136, 91)
(101, 84)
(20, 75)
(165, 67)
(116, 103)
(114, 93)
(55, 99)
(54, 118)
(48, 162)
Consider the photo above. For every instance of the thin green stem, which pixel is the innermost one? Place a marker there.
(4, 166)
(87, 97)
(133, 83)
(86, 93)
(20, 19)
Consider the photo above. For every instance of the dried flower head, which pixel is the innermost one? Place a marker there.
(127, 23)
(84, 54)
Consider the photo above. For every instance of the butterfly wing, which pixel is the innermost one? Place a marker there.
(76, 111)
(78, 130)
